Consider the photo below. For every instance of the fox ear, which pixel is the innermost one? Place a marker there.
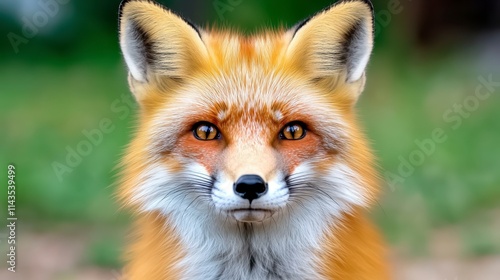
(155, 41)
(339, 38)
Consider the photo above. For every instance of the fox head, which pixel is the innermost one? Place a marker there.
(244, 129)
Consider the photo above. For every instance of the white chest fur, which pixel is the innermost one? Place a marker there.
(250, 252)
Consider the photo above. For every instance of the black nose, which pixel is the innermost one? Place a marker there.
(250, 187)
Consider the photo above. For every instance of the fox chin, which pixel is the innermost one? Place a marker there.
(247, 161)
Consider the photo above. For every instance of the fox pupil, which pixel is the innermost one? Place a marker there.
(207, 130)
(293, 130)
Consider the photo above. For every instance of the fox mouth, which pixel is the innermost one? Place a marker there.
(249, 215)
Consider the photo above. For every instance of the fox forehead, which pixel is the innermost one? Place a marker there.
(228, 49)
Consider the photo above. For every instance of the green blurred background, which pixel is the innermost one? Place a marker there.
(61, 75)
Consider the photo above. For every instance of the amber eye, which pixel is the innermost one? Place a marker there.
(293, 131)
(205, 131)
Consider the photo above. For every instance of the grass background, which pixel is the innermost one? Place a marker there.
(51, 91)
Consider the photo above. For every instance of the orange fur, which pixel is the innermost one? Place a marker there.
(354, 251)
(246, 82)
(156, 251)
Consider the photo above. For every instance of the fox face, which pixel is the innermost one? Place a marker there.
(237, 131)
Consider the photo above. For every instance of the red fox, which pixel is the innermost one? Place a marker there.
(248, 162)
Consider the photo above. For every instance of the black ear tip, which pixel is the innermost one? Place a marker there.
(305, 21)
(125, 2)
(122, 5)
(369, 3)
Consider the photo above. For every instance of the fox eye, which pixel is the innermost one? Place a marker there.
(205, 131)
(293, 131)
